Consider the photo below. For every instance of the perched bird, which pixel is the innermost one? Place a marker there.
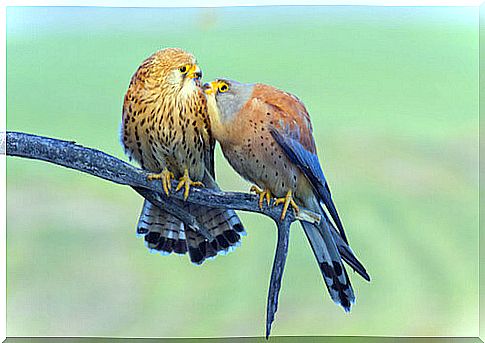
(166, 129)
(266, 135)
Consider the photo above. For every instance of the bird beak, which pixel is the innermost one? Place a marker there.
(194, 72)
(210, 88)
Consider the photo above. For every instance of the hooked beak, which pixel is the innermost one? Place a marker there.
(194, 72)
(210, 88)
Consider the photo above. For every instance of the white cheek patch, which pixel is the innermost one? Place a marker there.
(189, 89)
(175, 78)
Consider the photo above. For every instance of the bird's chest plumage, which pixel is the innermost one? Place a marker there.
(169, 134)
(258, 158)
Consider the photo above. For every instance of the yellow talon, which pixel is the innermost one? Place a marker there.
(166, 178)
(186, 182)
(287, 200)
(262, 195)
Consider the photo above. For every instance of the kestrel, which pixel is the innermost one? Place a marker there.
(266, 135)
(166, 129)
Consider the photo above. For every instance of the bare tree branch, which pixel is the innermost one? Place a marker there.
(97, 163)
(277, 273)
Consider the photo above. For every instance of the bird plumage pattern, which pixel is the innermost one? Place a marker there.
(266, 135)
(166, 129)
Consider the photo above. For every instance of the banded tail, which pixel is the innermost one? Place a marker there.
(330, 250)
(165, 233)
(330, 264)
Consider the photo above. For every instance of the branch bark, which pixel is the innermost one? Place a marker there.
(97, 163)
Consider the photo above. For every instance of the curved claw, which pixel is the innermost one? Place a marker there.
(287, 201)
(166, 177)
(263, 194)
(186, 182)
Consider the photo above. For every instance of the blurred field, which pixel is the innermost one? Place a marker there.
(393, 94)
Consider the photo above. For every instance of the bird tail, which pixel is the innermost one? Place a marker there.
(330, 263)
(223, 225)
(163, 232)
(347, 254)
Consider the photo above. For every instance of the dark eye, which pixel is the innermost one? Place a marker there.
(183, 69)
(223, 88)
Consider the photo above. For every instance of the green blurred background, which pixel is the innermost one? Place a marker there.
(393, 95)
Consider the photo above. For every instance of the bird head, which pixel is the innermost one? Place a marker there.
(225, 98)
(172, 70)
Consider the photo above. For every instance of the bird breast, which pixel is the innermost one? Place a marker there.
(167, 131)
(259, 159)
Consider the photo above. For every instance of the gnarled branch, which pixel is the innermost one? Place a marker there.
(97, 163)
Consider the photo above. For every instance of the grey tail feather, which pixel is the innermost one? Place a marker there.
(348, 255)
(223, 225)
(330, 263)
(165, 233)
(162, 231)
(199, 248)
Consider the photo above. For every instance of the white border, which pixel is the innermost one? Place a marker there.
(218, 3)
(3, 185)
(144, 3)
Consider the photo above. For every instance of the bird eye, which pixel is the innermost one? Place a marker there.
(223, 88)
(183, 69)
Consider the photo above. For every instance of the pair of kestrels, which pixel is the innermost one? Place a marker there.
(170, 125)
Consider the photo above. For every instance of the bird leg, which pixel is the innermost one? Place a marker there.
(266, 193)
(287, 200)
(186, 182)
(166, 178)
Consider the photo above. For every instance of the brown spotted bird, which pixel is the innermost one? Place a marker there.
(266, 135)
(166, 130)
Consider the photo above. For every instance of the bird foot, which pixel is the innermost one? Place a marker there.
(287, 201)
(166, 178)
(186, 182)
(263, 194)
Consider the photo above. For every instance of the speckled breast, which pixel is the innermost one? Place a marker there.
(259, 159)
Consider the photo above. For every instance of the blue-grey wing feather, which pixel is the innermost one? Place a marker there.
(310, 166)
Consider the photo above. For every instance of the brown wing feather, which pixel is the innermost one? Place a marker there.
(287, 110)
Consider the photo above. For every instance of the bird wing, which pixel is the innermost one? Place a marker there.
(209, 157)
(293, 132)
(309, 164)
